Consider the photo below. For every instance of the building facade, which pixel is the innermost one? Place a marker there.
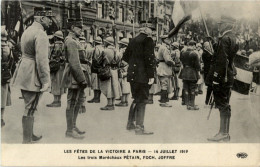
(99, 16)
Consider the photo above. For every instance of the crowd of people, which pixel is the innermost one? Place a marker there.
(136, 68)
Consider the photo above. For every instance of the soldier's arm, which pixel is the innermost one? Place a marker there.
(127, 54)
(149, 57)
(167, 58)
(221, 61)
(73, 59)
(42, 61)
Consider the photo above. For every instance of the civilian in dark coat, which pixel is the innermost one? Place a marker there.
(141, 59)
(221, 75)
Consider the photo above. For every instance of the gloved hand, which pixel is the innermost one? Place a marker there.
(151, 81)
(83, 85)
(44, 87)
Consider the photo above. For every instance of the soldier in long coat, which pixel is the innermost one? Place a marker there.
(74, 78)
(110, 88)
(33, 73)
(95, 81)
(6, 67)
(221, 75)
(140, 56)
(164, 70)
(190, 74)
(57, 53)
(125, 86)
(85, 61)
(201, 80)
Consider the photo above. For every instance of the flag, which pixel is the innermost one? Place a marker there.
(244, 76)
(19, 25)
(182, 13)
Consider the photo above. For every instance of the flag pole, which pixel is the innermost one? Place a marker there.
(205, 25)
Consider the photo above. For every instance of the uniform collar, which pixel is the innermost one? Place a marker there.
(38, 25)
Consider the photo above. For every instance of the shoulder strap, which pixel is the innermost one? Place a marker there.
(52, 51)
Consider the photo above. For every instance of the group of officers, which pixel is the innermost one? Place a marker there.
(138, 67)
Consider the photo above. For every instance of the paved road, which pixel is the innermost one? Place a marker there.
(170, 125)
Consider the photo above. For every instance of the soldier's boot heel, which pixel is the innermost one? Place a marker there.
(227, 139)
(27, 123)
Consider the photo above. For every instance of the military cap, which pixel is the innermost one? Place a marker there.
(243, 52)
(75, 22)
(149, 24)
(109, 40)
(58, 34)
(43, 11)
(191, 43)
(227, 19)
(198, 45)
(175, 44)
(124, 41)
(98, 40)
(4, 34)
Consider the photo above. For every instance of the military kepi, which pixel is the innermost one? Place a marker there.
(43, 11)
(75, 22)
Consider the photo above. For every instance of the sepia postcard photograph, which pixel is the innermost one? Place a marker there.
(130, 83)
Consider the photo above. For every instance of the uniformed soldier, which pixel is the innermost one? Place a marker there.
(57, 54)
(190, 74)
(175, 55)
(201, 80)
(6, 67)
(164, 70)
(74, 78)
(155, 88)
(96, 57)
(33, 73)
(140, 56)
(110, 87)
(125, 86)
(85, 56)
(221, 75)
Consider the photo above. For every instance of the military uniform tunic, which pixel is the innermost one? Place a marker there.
(110, 88)
(6, 56)
(33, 70)
(57, 53)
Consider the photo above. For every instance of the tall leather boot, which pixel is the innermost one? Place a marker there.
(131, 117)
(34, 137)
(183, 97)
(75, 116)
(164, 99)
(70, 130)
(222, 135)
(94, 98)
(140, 113)
(176, 94)
(192, 105)
(98, 96)
(186, 98)
(56, 102)
(27, 122)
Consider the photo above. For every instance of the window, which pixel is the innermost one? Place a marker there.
(100, 11)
